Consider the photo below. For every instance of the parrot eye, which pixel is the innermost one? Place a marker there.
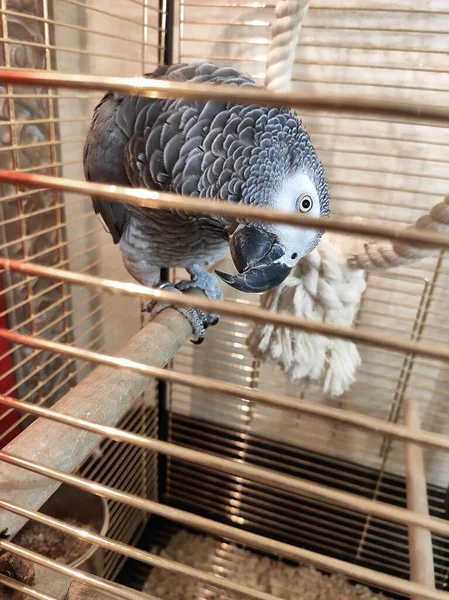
(305, 204)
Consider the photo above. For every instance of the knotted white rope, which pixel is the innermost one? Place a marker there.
(328, 284)
(385, 254)
(289, 16)
(321, 288)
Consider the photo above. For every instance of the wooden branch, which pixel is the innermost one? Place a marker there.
(420, 539)
(104, 397)
(81, 591)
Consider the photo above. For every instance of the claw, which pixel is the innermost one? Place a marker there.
(199, 320)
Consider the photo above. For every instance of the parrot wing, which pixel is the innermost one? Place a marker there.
(112, 154)
(103, 160)
(125, 146)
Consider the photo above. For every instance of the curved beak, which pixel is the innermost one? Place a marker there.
(257, 256)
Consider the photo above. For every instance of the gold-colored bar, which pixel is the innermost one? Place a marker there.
(344, 520)
(414, 127)
(74, 96)
(200, 58)
(381, 170)
(65, 332)
(234, 533)
(257, 5)
(51, 165)
(221, 482)
(261, 475)
(334, 62)
(385, 8)
(55, 390)
(71, 50)
(375, 27)
(48, 21)
(18, 195)
(410, 190)
(42, 231)
(27, 397)
(110, 14)
(192, 205)
(13, 121)
(45, 144)
(357, 46)
(155, 88)
(437, 441)
(257, 41)
(136, 2)
(96, 582)
(130, 552)
(91, 397)
(64, 262)
(228, 23)
(379, 154)
(370, 84)
(35, 213)
(24, 589)
(251, 313)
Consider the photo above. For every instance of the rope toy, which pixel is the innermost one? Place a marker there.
(289, 16)
(328, 284)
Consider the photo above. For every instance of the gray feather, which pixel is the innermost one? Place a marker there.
(206, 149)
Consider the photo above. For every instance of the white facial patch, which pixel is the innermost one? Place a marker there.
(297, 241)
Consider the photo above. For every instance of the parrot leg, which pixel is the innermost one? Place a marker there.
(201, 279)
(197, 318)
(205, 281)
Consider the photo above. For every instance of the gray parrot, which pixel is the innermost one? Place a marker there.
(244, 154)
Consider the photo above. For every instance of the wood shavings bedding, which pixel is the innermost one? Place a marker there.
(247, 568)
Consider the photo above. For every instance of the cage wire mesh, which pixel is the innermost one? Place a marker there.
(43, 131)
(387, 170)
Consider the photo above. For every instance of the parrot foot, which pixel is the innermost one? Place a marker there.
(197, 318)
(205, 281)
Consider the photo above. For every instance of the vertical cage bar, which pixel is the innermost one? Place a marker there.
(23, 110)
(15, 159)
(145, 30)
(403, 382)
(55, 153)
(166, 22)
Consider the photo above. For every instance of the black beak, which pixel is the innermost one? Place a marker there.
(257, 255)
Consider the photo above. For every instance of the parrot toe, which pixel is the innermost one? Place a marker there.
(208, 283)
(197, 318)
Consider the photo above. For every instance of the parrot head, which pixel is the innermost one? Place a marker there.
(286, 176)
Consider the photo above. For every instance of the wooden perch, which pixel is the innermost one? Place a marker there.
(81, 591)
(104, 397)
(420, 539)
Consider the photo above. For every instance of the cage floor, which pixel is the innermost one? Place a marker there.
(245, 567)
(229, 560)
(284, 517)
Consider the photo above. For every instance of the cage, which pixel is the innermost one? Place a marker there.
(208, 446)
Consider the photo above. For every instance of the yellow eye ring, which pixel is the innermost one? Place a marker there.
(305, 204)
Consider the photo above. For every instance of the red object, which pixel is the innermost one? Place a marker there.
(6, 383)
